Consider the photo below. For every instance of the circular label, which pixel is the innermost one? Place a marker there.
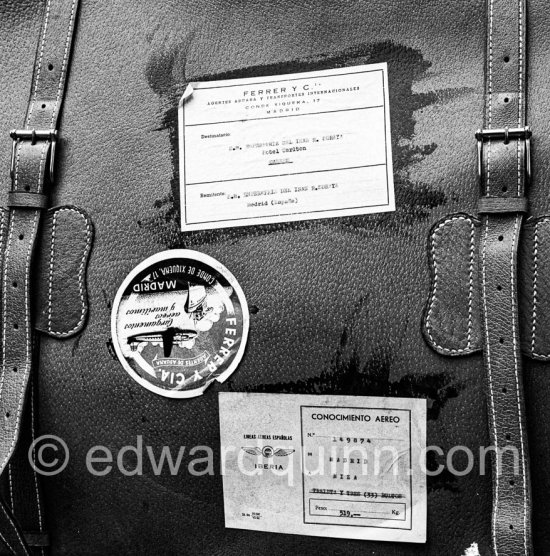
(180, 321)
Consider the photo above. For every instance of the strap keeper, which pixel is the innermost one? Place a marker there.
(27, 200)
(37, 539)
(502, 205)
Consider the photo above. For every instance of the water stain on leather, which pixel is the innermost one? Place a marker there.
(356, 370)
(167, 76)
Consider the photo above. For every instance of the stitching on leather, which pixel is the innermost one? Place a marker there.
(513, 274)
(27, 320)
(514, 335)
(46, 19)
(520, 112)
(16, 177)
(487, 187)
(64, 63)
(15, 529)
(520, 81)
(492, 405)
(2, 230)
(59, 85)
(10, 478)
(33, 436)
(42, 154)
(535, 292)
(80, 274)
(50, 280)
(471, 280)
(7, 543)
(4, 302)
(27, 334)
(471, 285)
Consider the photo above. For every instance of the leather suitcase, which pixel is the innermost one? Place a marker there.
(399, 304)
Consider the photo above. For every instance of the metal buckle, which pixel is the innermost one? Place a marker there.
(505, 134)
(33, 135)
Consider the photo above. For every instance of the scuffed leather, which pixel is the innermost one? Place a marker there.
(62, 297)
(336, 302)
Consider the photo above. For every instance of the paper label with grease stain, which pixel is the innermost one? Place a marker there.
(284, 148)
(331, 466)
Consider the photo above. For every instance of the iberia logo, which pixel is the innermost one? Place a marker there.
(180, 321)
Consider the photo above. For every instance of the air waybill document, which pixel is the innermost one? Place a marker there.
(285, 148)
(330, 466)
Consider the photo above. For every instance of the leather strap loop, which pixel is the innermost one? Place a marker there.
(27, 200)
(504, 167)
(502, 205)
(37, 539)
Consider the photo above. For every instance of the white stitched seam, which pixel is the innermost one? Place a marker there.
(27, 320)
(2, 229)
(520, 82)
(492, 406)
(33, 436)
(10, 478)
(42, 154)
(28, 337)
(535, 276)
(64, 63)
(4, 302)
(488, 184)
(50, 281)
(514, 317)
(59, 86)
(471, 279)
(14, 528)
(46, 18)
(514, 327)
(16, 177)
(433, 298)
(535, 292)
(80, 274)
(7, 543)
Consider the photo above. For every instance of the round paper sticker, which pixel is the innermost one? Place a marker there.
(179, 322)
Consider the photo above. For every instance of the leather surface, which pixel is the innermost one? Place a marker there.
(21, 489)
(336, 302)
(452, 319)
(31, 173)
(503, 175)
(451, 323)
(32, 170)
(61, 293)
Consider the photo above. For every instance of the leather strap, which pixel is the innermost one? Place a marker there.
(32, 171)
(504, 167)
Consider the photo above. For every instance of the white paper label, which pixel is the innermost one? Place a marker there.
(284, 148)
(331, 466)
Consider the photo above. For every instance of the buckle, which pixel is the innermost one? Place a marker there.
(34, 135)
(505, 134)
